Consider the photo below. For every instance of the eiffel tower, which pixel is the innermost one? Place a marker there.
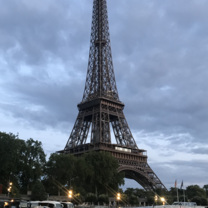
(101, 108)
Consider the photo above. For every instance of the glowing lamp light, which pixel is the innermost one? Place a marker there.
(118, 196)
(70, 194)
(163, 200)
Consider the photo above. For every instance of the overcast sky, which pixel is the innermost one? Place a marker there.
(160, 55)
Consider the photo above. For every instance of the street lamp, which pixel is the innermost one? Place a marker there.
(156, 198)
(70, 194)
(9, 189)
(163, 200)
(118, 197)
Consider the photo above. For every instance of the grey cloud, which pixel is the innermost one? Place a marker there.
(201, 150)
(39, 32)
(44, 104)
(173, 57)
(181, 170)
(177, 170)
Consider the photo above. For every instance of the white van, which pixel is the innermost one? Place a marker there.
(176, 203)
(185, 203)
(50, 204)
(23, 204)
(32, 204)
(67, 205)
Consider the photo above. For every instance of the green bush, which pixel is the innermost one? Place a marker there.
(204, 201)
(103, 198)
(91, 198)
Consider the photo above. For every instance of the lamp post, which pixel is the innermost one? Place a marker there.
(118, 197)
(156, 198)
(163, 200)
(9, 189)
(70, 195)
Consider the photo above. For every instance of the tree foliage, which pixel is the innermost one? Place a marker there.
(21, 161)
(33, 161)
(91, 197)
(93, 172)
(103, 171)
(61, 168)
(205, 187)
(103, 198)
(195, 191)
(11, 151)
(15, 192)
(38, 192)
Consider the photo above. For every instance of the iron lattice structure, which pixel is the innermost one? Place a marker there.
(101, 108)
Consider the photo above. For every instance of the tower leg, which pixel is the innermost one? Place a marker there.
(79, 132)
(122, 131)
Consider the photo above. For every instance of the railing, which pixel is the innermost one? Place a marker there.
(3, 196)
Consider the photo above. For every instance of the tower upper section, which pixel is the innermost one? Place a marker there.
(100, 81)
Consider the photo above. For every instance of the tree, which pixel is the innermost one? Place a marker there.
(103, 198)
(133, 195)
(103, 173)
(38, 192)
(130, 191)
(196, 199)
(133, 200)
(11, 156)
(91, 198)
(21, 161)
(61, 169)
(15, 192)
(205, 187)
(124, 200)
(204, 201)
(141, 193)
(33, 161)
(195, 191)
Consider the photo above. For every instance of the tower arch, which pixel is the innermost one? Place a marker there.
(139, 176)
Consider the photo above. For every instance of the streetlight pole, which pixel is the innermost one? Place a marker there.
(163, 200)
(70, 195)
(156, 198)
(9, 189)
(118, 197)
